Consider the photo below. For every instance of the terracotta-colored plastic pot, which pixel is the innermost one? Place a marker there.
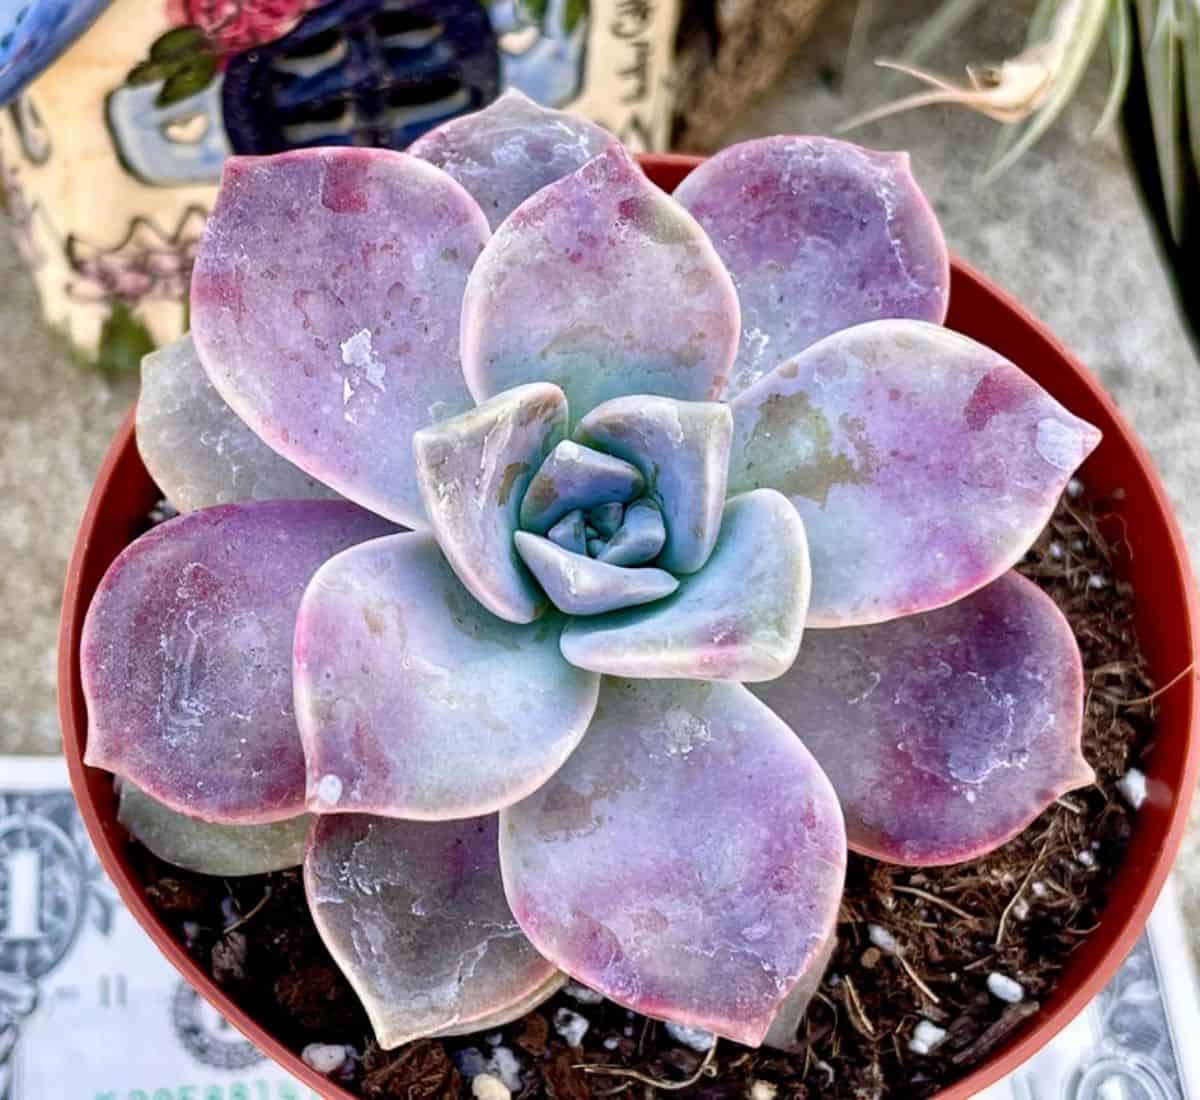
(1153, 557)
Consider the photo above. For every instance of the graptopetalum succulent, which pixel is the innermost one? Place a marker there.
(638, 442)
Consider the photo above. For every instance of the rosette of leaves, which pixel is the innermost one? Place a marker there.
(503, 474)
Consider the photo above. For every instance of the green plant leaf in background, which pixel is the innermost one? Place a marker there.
(124, 340)
(573, 12)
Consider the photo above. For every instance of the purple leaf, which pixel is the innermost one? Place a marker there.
(413, 701)
(574, 477)
(325, 308)
(415, 916)
(682, 448)
(923, 464)
(510, 149)
(473, 472)
(187, 655)
(740, 618)
(206, 848)
(196, 449)
(687, 861)
(819, 235)
(605, 286)
(944, 734)
(579, 585)
(570, 533)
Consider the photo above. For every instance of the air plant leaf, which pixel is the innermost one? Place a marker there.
(473, 471)
(579, 585)
(1159, 30)
(1083, 33)
(947, 733)
(510, 150)
(195, 447)
(574, 477)
(605, 286)
(414, 915)
(208, 849)
(740, 618)
(325, 308)
(186, 655)
(1120, 48)
(687, 861)
(682, 450)
(413, 701)
(923, 464)
(818, 235)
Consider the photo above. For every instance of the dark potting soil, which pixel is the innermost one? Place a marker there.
(913, 944)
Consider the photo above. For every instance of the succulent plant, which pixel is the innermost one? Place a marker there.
(639, 442)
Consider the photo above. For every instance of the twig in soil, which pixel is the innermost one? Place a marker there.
(933, 899)
(1010, 1018)
(916, 978)
(1159, 691)
(248, 916)
(1037, 862)
(702, 1070)
(857, 1016)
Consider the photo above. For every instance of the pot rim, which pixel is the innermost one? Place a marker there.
(109, 839)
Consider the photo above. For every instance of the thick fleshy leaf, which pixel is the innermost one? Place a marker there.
(195, 447)
(606, 519)
(570, 533)
(414, 914)
(922, 463)
(818, 235)
(740, 618)
(579, 585)
(946, 733)
(473, 471)
(605, 286)
(206, 848)
(640, 538)
(413, 701)
(682, 448)
(687, 861)
(574, 477)
(325, 308)
(510, 149)
(186, 655)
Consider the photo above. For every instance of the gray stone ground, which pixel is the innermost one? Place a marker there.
(1064, 232)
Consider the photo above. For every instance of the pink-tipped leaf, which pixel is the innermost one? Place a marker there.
(923, 464)
(414, 915)
(509, 150)
(818, 235)
(413, 701)
(944, 734)
(605, 286)
(186, 655)
(687, 861)
(325, 307)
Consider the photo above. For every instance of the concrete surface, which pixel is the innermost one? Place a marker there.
(1064, 232)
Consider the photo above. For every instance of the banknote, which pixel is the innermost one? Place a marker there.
(90, 1011)
(88, 1008)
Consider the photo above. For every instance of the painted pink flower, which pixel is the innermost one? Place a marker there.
(237, 25)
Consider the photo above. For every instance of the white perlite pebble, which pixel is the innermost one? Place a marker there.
(1085, 858)
(582, 994)
(925, 1037)
(488, 1087)
(1132, 786)
(611, 1043)
(1004, 988)
(763, 1090)
(882, 938)
(504, 1064)
(324, 1057)
(1074, 488)
(571, 1026)
(698, 1039)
